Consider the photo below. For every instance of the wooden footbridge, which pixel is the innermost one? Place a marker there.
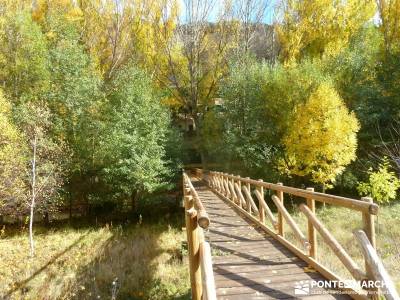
(235, 254)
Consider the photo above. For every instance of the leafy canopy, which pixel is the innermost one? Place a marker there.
(134, 139)
(24, 57)
(320, 27)
(322, 138)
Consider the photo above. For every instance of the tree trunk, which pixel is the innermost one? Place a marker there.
(31, 242)
(134, 199)
(199, 141)
(87, 206)
(46, 218)
(70, 209)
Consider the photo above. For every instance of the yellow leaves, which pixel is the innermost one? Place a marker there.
(320, 27)
(39, 11)
(5, 106)
(322, 139)
(74, 14)
(171, 102)
(12, 157)
(389, 11)
(134, 34)
(68, 8)
(51, 35)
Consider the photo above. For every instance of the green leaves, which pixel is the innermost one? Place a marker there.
(135, 134)
(382, 184)
(24, 58)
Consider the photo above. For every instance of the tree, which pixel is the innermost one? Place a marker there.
(46, 174)
(24, 58)
(322, 139)
(382, 184)
(389, 13)
(285, 88)
(13, 164)
(319, 27)
(134, 138)
(75, 100)
(196, 58)
(244, 141)
(252, 15)
(258, 105)
(117, 32)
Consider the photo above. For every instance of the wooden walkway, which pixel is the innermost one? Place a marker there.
(247, 263)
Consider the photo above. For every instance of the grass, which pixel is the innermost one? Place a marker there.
(129, 261)
(341, 222)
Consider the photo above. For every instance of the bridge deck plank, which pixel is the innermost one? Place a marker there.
(247, 263)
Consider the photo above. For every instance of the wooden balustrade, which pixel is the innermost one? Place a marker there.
(199, 252)
(249, 200)
(339, 251)
(285, 215)
(374, 263)
(230, 188)
(208, 283)
(359, 205)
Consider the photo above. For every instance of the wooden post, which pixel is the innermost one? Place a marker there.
(223, 180)
(312, 234)
(239, 183)
(369, 229)
(248, 202)
(369, 223)
(233, 198)
(250, 199)
(292, 224)
(221, 183)
(227, 190)
(261, 210)
(209, 292)
(193, 248)
(281, 225)
(240, 195)
(267, 210)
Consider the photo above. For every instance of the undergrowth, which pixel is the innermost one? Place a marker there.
(126, 261)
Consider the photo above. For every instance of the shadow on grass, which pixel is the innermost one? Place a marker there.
(139, 262)
(21, 284)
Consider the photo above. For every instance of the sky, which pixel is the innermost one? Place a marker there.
(268, 18)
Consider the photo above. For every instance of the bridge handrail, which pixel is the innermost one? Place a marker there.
(223, 184)
(359, 205)
(199, 251)
(202, 216)
(375, 264)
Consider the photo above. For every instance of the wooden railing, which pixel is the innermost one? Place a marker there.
(374, 263)
(199, 251)
(247, 196)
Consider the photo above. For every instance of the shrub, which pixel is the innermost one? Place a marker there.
(382, 185)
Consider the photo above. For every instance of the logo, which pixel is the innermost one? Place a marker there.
(302, 287)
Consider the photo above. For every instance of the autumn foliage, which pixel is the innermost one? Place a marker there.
(322, 138)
